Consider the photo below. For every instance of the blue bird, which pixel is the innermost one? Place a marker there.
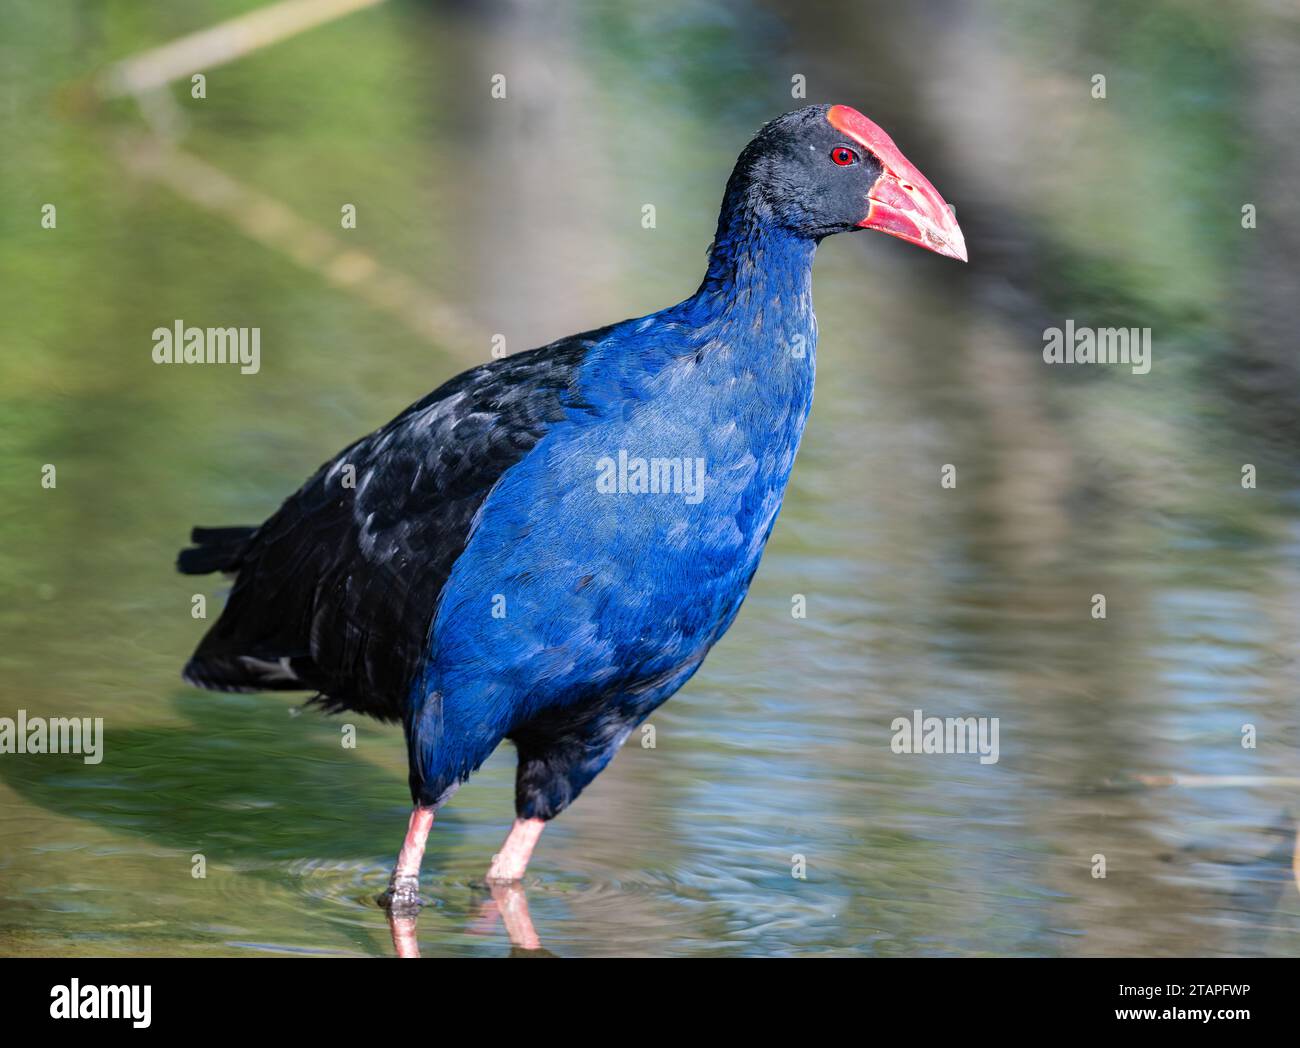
(545, 548)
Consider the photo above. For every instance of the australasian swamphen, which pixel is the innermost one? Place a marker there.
(475, 569)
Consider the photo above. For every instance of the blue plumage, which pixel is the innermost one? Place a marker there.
(612, 600)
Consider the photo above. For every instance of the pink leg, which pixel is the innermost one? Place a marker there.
(511, 861)
(403, 893)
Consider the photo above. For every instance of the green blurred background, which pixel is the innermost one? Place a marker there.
(522, 217)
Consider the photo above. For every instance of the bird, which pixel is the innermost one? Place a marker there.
(544, 549)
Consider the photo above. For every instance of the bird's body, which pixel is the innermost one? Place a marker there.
(545, 548)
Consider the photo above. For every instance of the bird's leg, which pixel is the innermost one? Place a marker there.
(403, 895)
(511, 861)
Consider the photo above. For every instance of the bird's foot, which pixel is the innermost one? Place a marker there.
(402, 899)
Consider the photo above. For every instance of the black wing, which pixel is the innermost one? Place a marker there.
(336, 592)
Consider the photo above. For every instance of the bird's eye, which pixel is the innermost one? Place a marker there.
(844, 156)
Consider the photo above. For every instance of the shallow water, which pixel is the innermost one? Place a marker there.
(1118, 737)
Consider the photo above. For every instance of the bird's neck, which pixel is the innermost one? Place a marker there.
(755, 262)
(753, 332)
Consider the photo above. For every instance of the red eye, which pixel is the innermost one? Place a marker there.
(844, 156)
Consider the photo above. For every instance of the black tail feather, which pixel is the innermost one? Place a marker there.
(214, 549)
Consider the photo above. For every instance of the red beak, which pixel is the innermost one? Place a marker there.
(901, 201)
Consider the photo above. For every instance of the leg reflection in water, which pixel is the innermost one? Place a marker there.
(508, 902)
(403, 928)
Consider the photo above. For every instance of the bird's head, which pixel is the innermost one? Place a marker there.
(828, 169)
